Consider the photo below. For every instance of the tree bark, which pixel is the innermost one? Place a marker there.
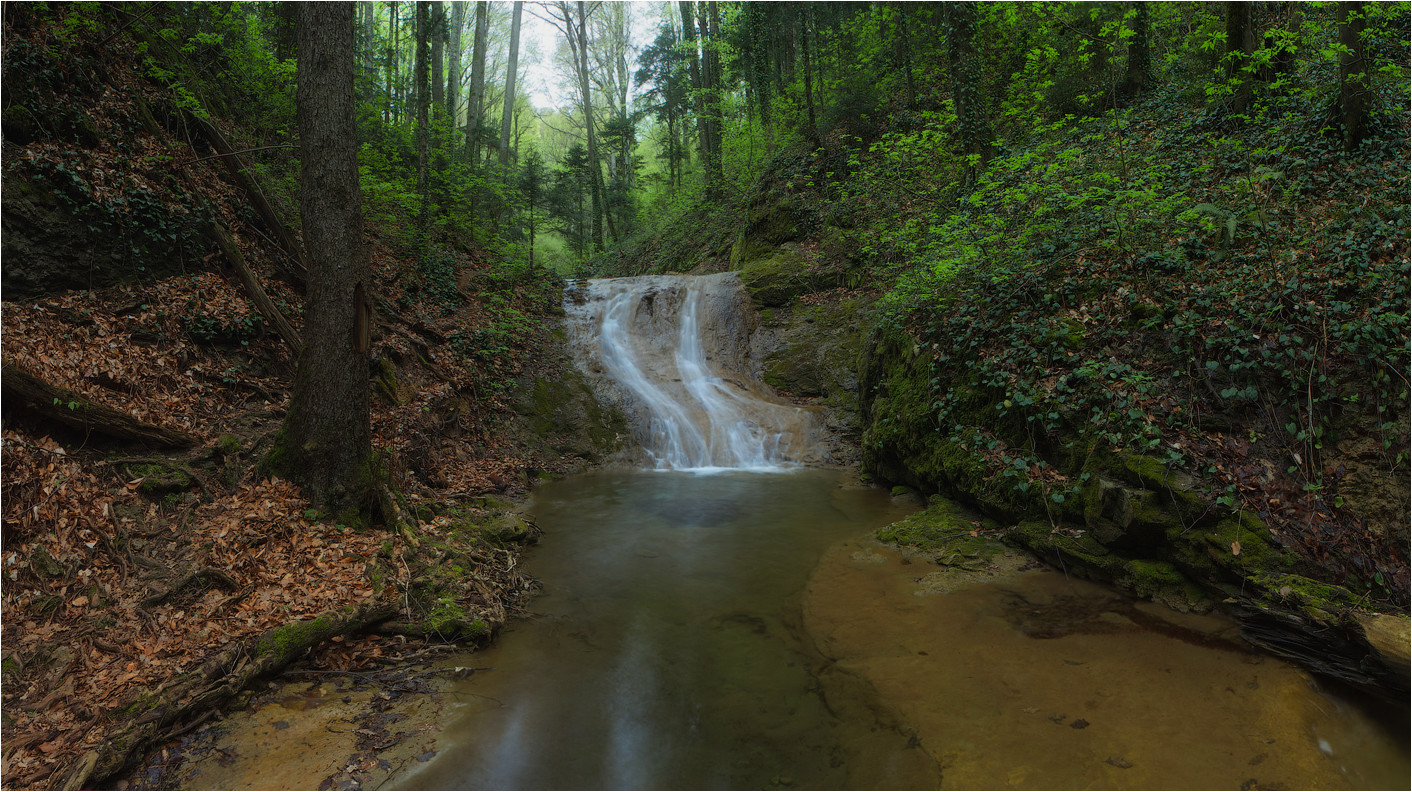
(70, 409)
(713, 96)
(437, 38)
(1354, 85)
(453, 70)
(326, 443)
(510, 76)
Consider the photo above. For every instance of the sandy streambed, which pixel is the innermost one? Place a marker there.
(1017, 676)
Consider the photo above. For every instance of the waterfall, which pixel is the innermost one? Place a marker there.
(672, 351)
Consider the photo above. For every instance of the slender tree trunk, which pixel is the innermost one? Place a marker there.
(713, 56)
(477, 98)
(437, 37)
(394, 58)
(389, 76)
(1240, 48)
(419, 93)
(904, 50)
(453, 71)
(976, 134)
(513, 66)
(326, 443)
(595, 172)
(698, 89)
(1139, 51)
(369, 15)
(812, 131)
(1354, 82)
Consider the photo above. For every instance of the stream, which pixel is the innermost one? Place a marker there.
(722, 618)
(741, 630)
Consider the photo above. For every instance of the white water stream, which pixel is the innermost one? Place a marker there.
(673, 352)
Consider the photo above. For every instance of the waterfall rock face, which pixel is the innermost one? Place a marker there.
(672, 351)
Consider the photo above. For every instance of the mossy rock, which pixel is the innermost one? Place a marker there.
(511, 529)
(228, 445)
(773, 222)
(563, 415)
(903, 444)
(748, 249)
(945, 530)
(18, 125)
(44, 566)
(775, 280)
(451, 622)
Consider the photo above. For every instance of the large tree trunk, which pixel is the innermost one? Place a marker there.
(512, 67)
(976, 134)
(477, 98)
(1354, 83)
(326, 443)
(713, 57)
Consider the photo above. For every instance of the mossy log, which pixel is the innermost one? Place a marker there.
(70, 409)
(219, 679)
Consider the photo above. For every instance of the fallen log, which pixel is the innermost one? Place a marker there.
(216, 681)
(267, 309)
(291, 248)
(70, 409)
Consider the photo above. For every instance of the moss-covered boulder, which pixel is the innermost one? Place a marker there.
(776, 279)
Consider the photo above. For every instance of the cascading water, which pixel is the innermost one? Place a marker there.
(672, 351)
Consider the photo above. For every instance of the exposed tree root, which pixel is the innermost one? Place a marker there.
(219, 679)
(71, 409)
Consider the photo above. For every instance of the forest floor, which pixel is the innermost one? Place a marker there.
(126, 568)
